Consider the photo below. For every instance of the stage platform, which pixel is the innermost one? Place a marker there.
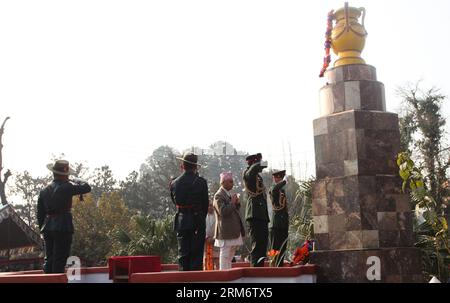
(240, 273)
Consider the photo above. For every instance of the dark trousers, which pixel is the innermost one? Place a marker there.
(259, 234)
(278, 238)
(57, 250)
(191, 245)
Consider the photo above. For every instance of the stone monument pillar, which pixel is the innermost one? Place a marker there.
(362, 221)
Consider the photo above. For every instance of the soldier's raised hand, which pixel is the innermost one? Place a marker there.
(78, 180)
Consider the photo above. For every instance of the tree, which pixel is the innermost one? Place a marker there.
(8, 172)
(423, 166)
(102, 181)
(116, 215)
(224, 157)
(162, 165)
(28, 188)
(300, 214)
(422, 129)
(90, 240)
(81, 170)
(149, 236)
(156, 173)
(130, 189)
(432, 232)
(148, 190)
(96, 225)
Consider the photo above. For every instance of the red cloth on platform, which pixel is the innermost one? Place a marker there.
(127, 265)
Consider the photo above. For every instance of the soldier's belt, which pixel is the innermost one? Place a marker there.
(253, 194)
(259, 191)
(54, 214)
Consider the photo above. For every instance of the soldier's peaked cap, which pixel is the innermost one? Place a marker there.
(279, 173)
(255, 157)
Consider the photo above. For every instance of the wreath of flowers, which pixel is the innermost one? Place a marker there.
(327, 58)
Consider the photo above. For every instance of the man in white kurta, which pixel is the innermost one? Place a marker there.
(229, 228)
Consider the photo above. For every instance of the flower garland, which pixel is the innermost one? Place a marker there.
(209, 263)
(327, 58)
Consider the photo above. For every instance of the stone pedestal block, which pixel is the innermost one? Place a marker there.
(352, 87)
(356, 143)
(396, 265)
(360, 95)
(354, 72)
(359, 210)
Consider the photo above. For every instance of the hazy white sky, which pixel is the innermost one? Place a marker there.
(107, 82)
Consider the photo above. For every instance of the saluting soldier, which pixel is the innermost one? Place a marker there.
(256, 213)
(189, 192)
(280, 218)
(54, 215)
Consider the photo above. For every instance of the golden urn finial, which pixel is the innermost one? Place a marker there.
(348, 36)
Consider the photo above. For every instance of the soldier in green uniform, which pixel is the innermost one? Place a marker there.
(256, 213)
(280, 217)
(189, 192)
(54, 215)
